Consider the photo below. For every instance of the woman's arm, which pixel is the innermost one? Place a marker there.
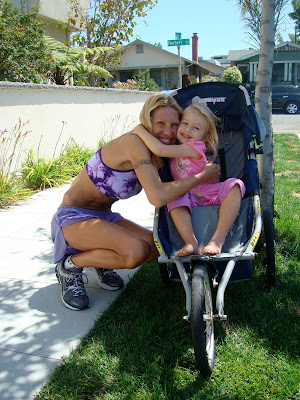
(164, 150)
(160, 193)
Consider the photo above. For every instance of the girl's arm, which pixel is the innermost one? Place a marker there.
(160, 193)
(165, 150)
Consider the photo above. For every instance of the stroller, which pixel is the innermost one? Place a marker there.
(241, 134)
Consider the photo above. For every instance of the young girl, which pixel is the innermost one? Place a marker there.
(196, 134)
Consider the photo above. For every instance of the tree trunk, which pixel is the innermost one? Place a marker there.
(263, 102)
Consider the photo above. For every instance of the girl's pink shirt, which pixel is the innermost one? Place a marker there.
(185, 167)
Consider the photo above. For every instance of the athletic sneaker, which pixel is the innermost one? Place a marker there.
(108, 279)
(73, 294)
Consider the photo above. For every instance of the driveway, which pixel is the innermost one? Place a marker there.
(284, 123)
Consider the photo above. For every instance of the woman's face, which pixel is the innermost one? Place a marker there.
(165, 121)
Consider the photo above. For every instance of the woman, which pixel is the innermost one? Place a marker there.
(86, 233)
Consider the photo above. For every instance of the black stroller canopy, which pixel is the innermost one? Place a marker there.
(228, 100)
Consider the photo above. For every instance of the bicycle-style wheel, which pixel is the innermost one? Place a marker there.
(270, 245)
(202, 320)
(164, 270)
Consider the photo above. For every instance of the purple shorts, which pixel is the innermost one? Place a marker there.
(213, 193)
(65, 216)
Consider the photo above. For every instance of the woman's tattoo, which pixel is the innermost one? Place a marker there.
(142, 162)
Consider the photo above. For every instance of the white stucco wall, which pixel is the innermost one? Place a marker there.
(57, 10)
(57, 113)
(52, 11)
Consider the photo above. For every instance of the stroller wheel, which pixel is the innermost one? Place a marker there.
(202, 320)
(165, 274)
(270, 246)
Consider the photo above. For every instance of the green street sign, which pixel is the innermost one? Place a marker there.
(180, 42)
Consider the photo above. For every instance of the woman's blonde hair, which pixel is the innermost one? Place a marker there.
(211, 137)
(152, 103)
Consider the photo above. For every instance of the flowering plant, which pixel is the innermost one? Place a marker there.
(129, 84)
(208, 78)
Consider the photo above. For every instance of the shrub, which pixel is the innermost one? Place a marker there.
(145, 82)
(24, 56)
(11, 190)
(232, 75)
(208, 78)
(194, 80)
(40, 173)
(130, 84)
(140, 82)
(76, 156)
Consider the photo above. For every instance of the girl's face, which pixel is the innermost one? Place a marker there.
(193, 126)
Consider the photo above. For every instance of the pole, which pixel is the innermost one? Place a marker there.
(179, 69)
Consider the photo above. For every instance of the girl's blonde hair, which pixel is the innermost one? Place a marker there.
(211, 137)
(152, 103)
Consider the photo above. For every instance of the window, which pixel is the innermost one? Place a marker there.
(156, 76)
(139, 48)
(278, 72)
(124, 75)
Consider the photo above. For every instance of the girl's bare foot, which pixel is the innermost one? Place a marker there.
(187, 250)
(213, 247)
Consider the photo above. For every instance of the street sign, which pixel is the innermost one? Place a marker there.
(180, 42)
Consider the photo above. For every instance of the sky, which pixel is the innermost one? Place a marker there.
(217, 23)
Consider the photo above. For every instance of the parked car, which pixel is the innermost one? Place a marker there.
(286, 98)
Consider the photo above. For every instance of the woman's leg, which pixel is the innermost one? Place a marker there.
(146, 234)
(229, 210)
(104, 245)
(182, 219)
(107, 245)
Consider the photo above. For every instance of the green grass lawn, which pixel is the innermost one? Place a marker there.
(141, 348)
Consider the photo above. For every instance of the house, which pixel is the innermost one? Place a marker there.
(52, 11)
(286, 66)
(138, 56)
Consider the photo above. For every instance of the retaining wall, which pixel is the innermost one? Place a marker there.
(57, 113)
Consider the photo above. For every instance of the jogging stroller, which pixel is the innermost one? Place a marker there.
(241, 134)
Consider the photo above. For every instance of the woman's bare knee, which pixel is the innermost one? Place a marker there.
(138, 253)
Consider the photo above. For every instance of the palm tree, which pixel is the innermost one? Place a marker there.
(251, 13)
(67, 61)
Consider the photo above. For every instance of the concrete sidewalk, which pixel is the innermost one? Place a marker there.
(36, 329)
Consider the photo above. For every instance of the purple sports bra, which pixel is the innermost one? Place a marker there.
(111, 182)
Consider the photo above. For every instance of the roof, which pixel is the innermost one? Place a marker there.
(277, 47)
(212, 65)
(201, 64)
(234, 55)
(139, 41)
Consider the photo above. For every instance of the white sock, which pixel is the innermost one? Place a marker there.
(69, 265)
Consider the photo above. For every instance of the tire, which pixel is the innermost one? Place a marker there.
(291, 107)
(269, 245)
(165, 275)
(203, 332)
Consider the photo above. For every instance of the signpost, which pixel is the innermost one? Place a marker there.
(179, 42)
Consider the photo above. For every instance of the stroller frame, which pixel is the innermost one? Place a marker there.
(198, 273)
(245, 254)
